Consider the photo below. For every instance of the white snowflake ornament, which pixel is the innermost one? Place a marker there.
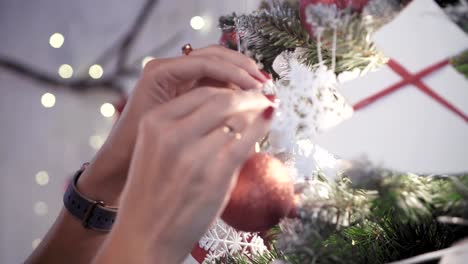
(309, 103)
(222, 240)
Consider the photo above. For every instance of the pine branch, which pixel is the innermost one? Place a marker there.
(393, 217)
(460, 63)
(267, 258)
(277, 28)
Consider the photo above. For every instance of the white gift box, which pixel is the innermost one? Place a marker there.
(408, 130)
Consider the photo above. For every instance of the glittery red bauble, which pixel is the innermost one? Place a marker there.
(264, 194)
(355, 5)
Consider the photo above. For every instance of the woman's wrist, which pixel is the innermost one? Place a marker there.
(98, 185)
(124, 245)
(105, 176)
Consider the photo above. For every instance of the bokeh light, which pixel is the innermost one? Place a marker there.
(42, 178)
(107, 110)
(96, 142)
(197, 22)
(56, 40)
(65, 71)
(40, 208)
(96, 71)
(36, 243)
(48, 100)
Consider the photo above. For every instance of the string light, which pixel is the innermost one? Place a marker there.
(146, 60)
(56, 40)
(107, 110)
(48, 100)
(197, 22)
(36, 243)
(96, 142)
(40, 208)
(65, 71)
(42, 178)
(96, 71)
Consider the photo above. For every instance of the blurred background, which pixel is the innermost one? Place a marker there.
(64, 68)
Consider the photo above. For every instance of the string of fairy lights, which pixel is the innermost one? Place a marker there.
(49, 100)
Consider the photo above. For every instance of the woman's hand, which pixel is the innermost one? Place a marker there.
(162, 80)
(184, 165)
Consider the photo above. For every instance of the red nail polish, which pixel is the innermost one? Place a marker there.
(268, 113)
(271, 97)
(267, 75)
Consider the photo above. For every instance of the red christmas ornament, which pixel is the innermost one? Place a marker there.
(355, 5)
(264, 194)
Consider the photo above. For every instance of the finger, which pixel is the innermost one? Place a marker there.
(211, 144)
(189, 102)
(210, 148)
(214, 113)
(216, 83)
(183, 69)
(234, 57)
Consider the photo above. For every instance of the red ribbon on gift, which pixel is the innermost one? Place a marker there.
(414, 79)
(199, 254)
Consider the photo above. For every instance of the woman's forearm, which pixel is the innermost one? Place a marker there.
(68, 241)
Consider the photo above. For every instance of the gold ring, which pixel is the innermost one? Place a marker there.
(186, 49)
(228, 129)
(231, 131)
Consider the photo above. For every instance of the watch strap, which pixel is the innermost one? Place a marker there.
(93, 214)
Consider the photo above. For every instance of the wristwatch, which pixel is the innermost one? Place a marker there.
(93, 214)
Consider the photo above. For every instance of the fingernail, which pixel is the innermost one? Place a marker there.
(261, 80)
(272, 98)
(268, 113)
(266, 74)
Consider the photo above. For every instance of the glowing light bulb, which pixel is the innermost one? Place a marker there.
(146, 60)
(107, 110)
(42, 178)
(96, 71)
(65, 71)
(197, 22)
(56, 40)
(48, 100)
